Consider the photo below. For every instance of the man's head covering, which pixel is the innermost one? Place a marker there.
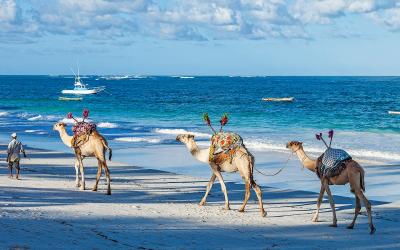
(14, 135)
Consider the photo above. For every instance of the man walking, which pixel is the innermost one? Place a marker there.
(14, 151)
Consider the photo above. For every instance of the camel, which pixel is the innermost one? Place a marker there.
(242, 161)
(353, 173)
(96, 146)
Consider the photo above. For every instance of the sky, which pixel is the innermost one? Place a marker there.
(200, 37)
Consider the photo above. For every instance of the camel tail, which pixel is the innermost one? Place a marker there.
(251, 165)
(108, 148)
(109, 154)
(362, 182)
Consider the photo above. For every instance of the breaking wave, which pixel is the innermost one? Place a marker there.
(138, 139)
(178, 131)
(107, 125)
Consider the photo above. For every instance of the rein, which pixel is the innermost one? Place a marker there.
(280, 170)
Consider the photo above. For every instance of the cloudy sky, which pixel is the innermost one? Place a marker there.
(201, 37)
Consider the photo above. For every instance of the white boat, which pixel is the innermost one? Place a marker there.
(82, 89)
(283, 99)
(64, 98)
(394, 112)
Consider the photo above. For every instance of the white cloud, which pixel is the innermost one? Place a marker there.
(8, 10)
(186, 20)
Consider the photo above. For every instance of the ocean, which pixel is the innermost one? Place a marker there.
(149, 111)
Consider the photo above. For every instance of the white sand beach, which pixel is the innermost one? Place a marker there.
(153, 209)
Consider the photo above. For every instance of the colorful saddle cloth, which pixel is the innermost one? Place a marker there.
(82, 132)
(223, 146)
(332, 162)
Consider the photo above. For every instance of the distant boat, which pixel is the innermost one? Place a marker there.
(283, 99)
(63, 98)
(394, 112)
(82, 89)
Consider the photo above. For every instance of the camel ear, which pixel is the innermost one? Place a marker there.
(190, 136)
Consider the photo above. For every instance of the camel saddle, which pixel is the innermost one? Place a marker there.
(332, 162)
(82, 132)
(224, 146)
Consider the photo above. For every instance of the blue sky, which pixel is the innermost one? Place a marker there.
(201, 37)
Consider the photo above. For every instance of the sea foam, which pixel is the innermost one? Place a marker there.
(107, 125)
(180, 131)
(138, 139)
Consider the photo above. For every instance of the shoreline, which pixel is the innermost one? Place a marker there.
(154, 209)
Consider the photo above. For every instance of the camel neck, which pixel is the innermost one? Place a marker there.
(65, 137)
(199, 154)
(306, 161)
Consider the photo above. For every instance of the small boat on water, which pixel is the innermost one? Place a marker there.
(283, 99)
(394, 112)
(82, 89)
(64, 98)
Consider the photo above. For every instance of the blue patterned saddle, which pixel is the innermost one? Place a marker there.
(332, 162)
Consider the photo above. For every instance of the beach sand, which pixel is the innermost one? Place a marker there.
(153, 209)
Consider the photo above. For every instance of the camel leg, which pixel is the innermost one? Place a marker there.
(258, 191)
(246, 195)
(209, 186)
(107, 173)
(356, 212)
(77, 184)
(223, 187)
(368, 207)
(82, 187)
(319, 201)
(331, 202)
(99, 166)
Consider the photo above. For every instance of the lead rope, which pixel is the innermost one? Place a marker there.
(280, 170)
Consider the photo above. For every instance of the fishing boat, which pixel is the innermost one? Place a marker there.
(64, 98)
(283, 99)
(394, 112)
(82, 89)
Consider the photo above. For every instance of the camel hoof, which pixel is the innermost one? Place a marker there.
(241, 210)
(263, 214)
(314, 219)
(202, 203)
(333, 225)
(82, 188)
(227, 208)
(350, 226)
(373, 229)
(94, 189)
(108, 193)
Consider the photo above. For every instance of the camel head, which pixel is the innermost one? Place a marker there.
(185, 138)
(294, 145)
(59, 126)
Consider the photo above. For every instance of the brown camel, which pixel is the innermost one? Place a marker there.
(353, 173)
(242, 161)
(96, 146)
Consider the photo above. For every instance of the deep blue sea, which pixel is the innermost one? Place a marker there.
(137, 111)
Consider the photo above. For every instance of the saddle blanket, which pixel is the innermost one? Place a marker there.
(332, 162)
(82, 131)
(224, 144)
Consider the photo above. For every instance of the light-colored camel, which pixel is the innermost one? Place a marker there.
(353, 174)
(96, 146)
(242, 161)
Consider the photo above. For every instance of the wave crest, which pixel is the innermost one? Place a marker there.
(178, 131)
(138, 139)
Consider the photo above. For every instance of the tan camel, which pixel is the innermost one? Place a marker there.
(96, 146)
(353, 174)
(242, 161)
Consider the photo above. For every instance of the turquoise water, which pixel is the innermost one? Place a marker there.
(150, 110)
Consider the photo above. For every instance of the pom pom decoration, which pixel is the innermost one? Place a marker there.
(318, 137)
(224, 119)
(330, 134)
(85, 113)
(69, 116)
(206, 118)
